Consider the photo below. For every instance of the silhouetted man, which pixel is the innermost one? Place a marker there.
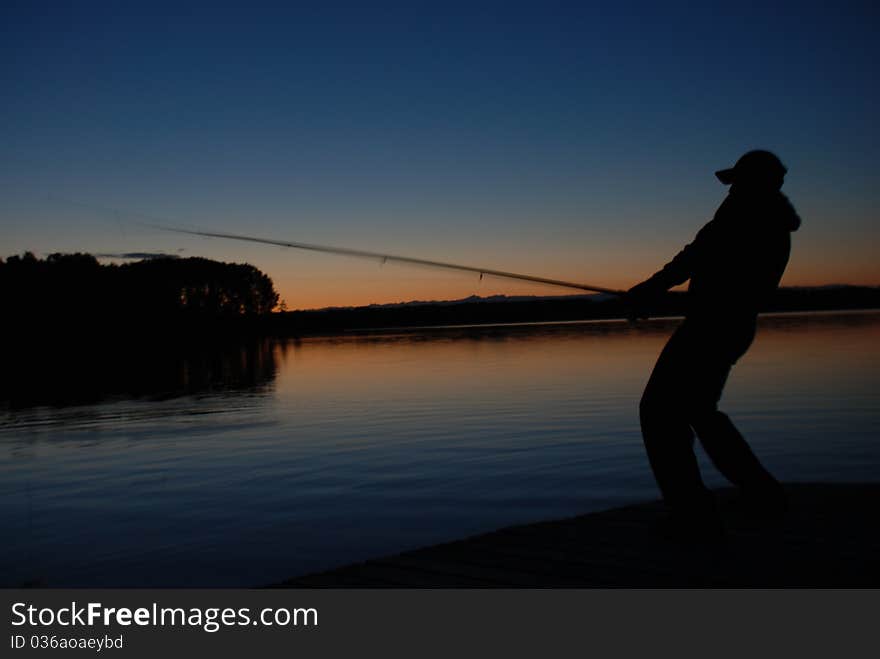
(734, 264)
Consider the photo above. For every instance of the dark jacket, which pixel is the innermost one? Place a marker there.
(736, 261)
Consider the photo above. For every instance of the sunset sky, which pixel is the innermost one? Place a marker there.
(562, 139)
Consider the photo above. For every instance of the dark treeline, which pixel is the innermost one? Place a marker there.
(75, 331)
(82, 293)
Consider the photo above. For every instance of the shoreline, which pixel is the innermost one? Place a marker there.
(828, 538)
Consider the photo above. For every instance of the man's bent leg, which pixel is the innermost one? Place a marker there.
(667, 433)
(723, 443)
(669, 443)
(729, 451)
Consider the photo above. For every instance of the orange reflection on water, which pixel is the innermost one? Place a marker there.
(578, 360)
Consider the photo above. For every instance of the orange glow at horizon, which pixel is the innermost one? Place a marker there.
(365, 285)
(820, 255)
(823, 253)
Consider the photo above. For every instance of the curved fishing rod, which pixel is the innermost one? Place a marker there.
(346, 251)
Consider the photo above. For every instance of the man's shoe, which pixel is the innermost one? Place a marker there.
(765, 500)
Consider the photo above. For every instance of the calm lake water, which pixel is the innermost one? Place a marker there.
(273, 460)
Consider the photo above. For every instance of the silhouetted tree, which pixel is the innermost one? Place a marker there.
(77, 285)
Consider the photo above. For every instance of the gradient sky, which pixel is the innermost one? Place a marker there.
(563, 139)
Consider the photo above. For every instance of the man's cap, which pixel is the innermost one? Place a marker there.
(754, 165)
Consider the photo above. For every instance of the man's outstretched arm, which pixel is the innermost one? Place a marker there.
(676, 272)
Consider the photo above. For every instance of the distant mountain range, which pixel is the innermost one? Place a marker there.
(490, 299)
(584, 297)
(545, 308)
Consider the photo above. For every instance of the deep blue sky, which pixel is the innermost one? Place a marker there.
(572, 140)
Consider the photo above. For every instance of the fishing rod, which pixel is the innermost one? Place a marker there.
(347, 251)
(384, 258)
